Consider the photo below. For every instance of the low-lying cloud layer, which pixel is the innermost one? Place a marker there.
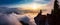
(12, 16)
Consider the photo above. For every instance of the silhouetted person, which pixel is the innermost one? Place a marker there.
(40, 19)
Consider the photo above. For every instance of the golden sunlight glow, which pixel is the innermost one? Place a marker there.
(32, 6)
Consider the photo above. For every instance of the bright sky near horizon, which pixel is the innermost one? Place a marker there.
(47, 4)
(18, 2)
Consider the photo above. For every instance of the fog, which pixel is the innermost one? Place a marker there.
(8, 20)
(12, 16)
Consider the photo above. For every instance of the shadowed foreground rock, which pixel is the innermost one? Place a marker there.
(53, 18)
(40, 19)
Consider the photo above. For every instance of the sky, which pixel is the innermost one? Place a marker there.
(47, 4)
(16, 2)
(5, 2)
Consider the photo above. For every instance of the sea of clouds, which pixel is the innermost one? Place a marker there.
(12, 16)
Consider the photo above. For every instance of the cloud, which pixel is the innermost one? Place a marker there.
(50, 6)
(6, 10)
(42, 1)
(8, 20)
(7, 17)
(18, 2)
(25, 18)
(59, 2)
(12, 2)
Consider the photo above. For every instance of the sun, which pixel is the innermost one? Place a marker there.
(34, 6)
